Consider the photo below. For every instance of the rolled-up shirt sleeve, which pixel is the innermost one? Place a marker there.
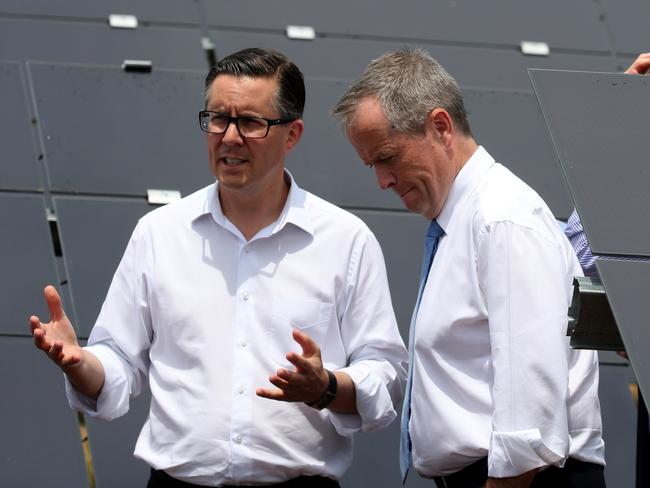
(121, 336)
(377, 357)
(523, 278)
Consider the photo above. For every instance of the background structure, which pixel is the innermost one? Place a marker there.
(83, 140)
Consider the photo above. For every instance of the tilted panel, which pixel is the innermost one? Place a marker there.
(96, 43)
(627, 21)
(568, 25)
(26, 260)
(113, 132)
(41, 442)
(183, 11)
(599, 125)
(627, 283)
(475, 66)
(18, 158)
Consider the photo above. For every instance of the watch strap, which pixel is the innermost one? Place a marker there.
(328, 395)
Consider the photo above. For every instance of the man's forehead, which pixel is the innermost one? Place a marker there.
(368, 114)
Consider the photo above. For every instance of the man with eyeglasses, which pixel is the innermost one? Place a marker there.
(249, 277)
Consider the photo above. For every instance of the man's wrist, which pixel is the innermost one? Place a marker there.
(328, 395)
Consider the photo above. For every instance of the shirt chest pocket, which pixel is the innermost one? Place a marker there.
(310, 316)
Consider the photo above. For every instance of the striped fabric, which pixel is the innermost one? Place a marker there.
(576, 234)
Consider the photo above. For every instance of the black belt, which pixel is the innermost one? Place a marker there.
(160, 479)
(472, 476)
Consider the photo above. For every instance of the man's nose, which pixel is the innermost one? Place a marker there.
(232, 136)
(385, 177)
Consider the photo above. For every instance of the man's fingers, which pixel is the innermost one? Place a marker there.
(300, 362)
(56, 351)
(53, 303)
(40, 341)
(309, 347)
(282, 378)
(641, 65)
(35, 323)
(271, 394)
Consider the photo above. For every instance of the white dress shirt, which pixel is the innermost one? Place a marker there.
(205, 317)
(493, 373)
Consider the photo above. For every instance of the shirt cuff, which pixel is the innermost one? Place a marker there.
(113, 400)
(514, 453)
(373, 401)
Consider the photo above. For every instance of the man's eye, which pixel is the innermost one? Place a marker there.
(370, 165)
(252, 122)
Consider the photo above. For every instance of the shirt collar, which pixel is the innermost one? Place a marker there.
(466, 179)
(294, 212)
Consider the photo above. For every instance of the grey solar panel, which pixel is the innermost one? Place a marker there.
(26, 259)
(108, 131)
(18, 155)
(599, 124)
(41, 444)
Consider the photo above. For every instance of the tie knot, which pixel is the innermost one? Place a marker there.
(434, 231)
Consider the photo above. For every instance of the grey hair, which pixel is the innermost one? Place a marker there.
(409, 84)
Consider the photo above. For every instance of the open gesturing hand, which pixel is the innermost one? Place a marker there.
(309, 380)
(57, 337)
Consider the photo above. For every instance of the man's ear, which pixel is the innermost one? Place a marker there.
(294, 133)
(441, 126)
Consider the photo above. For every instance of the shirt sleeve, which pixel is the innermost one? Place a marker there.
(576, 234)
(522, 273)
(377, 355)
(121, 336)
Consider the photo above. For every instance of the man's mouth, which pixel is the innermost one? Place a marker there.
(402, 194)
(233, 161)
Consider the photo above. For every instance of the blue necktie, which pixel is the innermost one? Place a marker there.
(434, 232)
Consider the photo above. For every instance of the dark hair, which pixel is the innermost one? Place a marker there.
(258, 62)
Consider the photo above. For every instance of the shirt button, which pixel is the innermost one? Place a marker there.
(247, 250)
(240, 390)
(243, 344)
(245, 296)
(237, 439)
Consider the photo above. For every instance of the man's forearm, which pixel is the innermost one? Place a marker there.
(346, 398)
(87, 376)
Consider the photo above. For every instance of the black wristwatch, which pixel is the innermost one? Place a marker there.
(328, 396)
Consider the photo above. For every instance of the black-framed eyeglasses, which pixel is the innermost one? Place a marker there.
(250, 127)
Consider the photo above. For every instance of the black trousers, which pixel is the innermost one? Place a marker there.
(160, 479)
(574, 474)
